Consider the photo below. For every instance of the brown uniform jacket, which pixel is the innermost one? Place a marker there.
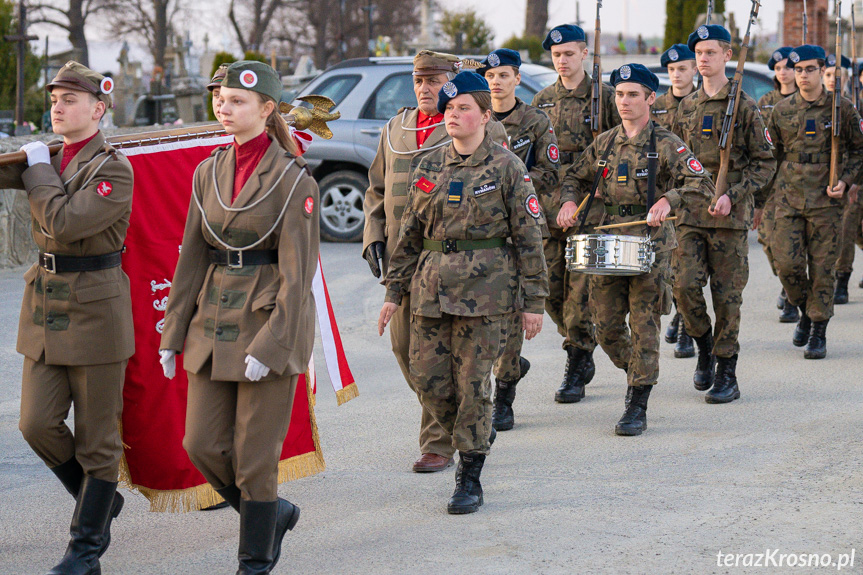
(389, 175)
(265, 311)
(77, 318)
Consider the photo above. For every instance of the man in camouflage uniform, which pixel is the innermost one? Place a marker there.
(808, 212)
(404, 140)
(470, 242)
(567, 103)
(532, 139)
(785, 86)
(713, 237)
(621, 157)
(679, 60)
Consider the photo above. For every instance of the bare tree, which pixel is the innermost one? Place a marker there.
(151, 20)
(536, 18)
(71, 17)
(252, 28)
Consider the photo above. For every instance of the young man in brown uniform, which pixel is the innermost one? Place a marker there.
(532, 139)
(713, 238)
(76, 329)
(567, 103)
(405, 139)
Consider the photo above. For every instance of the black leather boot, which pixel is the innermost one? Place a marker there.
(467, 496)
(817, 346)
(70, 475)
(634, 420)
(725, 388)
(703, 378)
(684, 346)
(780, 301)
(789, 313)
(803, 329)
(231, 495)
(93, 508)
(286, 520)
(257, 533)
(860, 285)
(503, 417)
(572, 388)
(673, 327)
(840, 293)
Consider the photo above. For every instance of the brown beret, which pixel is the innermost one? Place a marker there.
(75, 76)
(220, 74)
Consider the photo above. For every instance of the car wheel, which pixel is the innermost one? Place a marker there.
(342, 196)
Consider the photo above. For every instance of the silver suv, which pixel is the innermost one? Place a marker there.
(368, 92)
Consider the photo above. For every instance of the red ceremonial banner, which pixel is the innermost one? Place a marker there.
(154, 409)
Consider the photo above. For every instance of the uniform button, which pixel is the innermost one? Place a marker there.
(218, 331)
(224, 299)
(49, 290)
(49, 319)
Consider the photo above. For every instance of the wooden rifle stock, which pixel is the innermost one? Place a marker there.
(855, 82)
(596, 81)
(837, 102)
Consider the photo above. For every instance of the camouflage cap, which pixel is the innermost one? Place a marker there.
(220, 74)
(75, 76)
(255, 76)
(428, 63)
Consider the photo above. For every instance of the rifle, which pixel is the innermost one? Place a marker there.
(300, 117)
(733, 105)
(706, 23)
(805, 21)
(596, 81)
(855, 82)
(837, 101)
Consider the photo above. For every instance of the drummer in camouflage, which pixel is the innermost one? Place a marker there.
(642, 169)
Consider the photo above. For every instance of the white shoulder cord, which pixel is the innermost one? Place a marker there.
(255, 203)
(413, 152)
(265, 236)
(81, 169)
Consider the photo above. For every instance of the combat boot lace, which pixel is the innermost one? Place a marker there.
(684, 347)
(572, 389)
(672, 330)
(817, 346)
(840, 294)
(703, 378)
(725, 388)
(634, 420)
(467, 497)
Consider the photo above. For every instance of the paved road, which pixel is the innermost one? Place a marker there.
(777, 470)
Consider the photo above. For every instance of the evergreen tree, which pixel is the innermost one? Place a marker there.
(680, 18)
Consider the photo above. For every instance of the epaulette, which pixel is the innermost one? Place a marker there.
(404, 108)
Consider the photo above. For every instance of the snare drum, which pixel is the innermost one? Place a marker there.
(609, 255)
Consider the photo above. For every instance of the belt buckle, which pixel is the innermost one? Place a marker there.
(49, 263)
(231, 264)
(623, 211)
(449, 246)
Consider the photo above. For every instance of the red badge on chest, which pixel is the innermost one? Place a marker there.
(104, 189)
(309, 205)
(425, 185)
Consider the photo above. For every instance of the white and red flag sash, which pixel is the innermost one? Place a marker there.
(154, 409)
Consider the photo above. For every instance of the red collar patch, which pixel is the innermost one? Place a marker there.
(425, 185)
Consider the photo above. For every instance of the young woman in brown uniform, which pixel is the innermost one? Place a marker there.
(241, 303)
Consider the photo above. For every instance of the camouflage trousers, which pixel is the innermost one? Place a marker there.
(806, 244)
(568, 295)
(451, 361)
(719, 256)
(634, 348)
(507, 367)
(765, 230)
(851, 234)
(433, 438)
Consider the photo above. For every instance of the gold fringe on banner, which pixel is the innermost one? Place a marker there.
(348, 393)
(201, 496)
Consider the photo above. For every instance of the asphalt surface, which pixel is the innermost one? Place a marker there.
(776, 472)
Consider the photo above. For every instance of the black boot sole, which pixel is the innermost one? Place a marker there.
(789, 318)
(717, 400)
(798, 343)
(629, 432)
(840, 300)
(504, 426)
(702, 386)
(568, 398)
(814, 355)
(683, 354)
(464, 509)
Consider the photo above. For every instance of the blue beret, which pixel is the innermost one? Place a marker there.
(677, 53)
(463, 83)
(637, 73)
(807, 52)
(500, 57)
(778, 56)
(563, 34)
(831, 61)
(708, 32)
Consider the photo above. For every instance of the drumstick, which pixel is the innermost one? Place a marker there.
(627, 224)
(579, 208)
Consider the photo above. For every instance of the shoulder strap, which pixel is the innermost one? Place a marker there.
(652, 160)
(598, 176)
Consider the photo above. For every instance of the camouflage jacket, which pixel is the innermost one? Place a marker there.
(488, 195)
(664, 109)
(679, 179)
(569, 111)
(699, 124)
(532, 139)
(802, 135)
(768, 101)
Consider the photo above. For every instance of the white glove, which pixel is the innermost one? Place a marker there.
(167, 357)
(37, 153)
(255, 370)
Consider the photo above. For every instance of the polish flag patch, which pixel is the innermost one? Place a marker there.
(104, 189)
(681, 149)
(526, 178)
(425, 185)
(309, 205)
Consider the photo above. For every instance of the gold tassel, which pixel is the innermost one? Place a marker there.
(348, 393)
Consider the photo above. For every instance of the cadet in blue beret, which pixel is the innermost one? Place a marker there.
(808, 52)
(677, 53)
(637, 73)
(567, 103)
(500, 57)
(463, 83)
(784, 86)
(830, 72)
(709, 32)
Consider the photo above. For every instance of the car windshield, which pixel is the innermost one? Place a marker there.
(336, 88)
(542, 76)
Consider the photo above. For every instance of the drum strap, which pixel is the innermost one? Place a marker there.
(652, 160)
(596, 178)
